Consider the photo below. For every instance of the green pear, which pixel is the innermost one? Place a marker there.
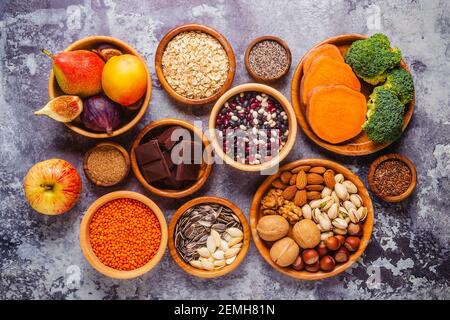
(78, 72)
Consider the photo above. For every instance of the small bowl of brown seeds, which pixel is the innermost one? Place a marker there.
(106, 164)
(268, 59)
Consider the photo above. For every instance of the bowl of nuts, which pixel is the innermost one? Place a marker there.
(195, 64)
(312, 219)
(252, 127)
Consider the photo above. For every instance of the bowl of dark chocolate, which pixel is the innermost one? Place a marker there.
(168, 158)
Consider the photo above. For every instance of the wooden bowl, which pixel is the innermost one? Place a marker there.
(86, 245)
(106, 144)
(256, 214)
(205, 273)
(89, 43)
(285, 105)
(394, 156)
(361, 144)
(205, 168)
(247, 56)
(194, 27)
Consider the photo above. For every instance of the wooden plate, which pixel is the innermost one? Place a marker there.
(86, 244)
(89, 43)
(361, 144)
(394, 156)
(205, 167)
(247, 56)
(205, 273)
(255, 215)
(194, 27)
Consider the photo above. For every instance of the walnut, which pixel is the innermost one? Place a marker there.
(290, 211)
(272, 201)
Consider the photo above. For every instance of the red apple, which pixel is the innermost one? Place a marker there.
(52, 186)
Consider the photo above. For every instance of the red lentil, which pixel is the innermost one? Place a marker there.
(125, 234)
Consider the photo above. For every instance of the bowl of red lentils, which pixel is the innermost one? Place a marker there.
(123, 234)
(252, 127)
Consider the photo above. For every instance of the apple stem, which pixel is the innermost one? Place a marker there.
(47, 53)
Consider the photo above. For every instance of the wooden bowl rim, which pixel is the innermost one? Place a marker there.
(291, 120)
(89, 253)
(104, 144)
(302, 121)
(249, 49)
(368, 223)
(206, 29)
(399, 157)
(205, 273)
(144, 105)
(168, 193)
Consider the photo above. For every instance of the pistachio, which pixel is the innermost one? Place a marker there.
(340, 223)
(315, 215)
(314, 204)
(339, 178)
(356, 200)
(351, 188)
(324, 222)
(307, 211)
(335, 197)
(353, 215)
(349, 205)
(340, 231)
(325, 235)
(328, 204)
(341, 191)
(326, 192)
(333, 211)
(361, 213)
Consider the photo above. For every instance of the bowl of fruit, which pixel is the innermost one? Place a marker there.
(99, 87)
(311, 220)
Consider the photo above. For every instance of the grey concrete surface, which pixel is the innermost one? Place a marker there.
(40, 258)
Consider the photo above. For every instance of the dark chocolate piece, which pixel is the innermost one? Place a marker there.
(187, 172)
(165, 138)
(155, 171)
(168, 158)
(148, 152)
(192, 149)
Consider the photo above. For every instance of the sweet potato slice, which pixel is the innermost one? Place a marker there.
(326, 71)
(336, 113)
(327, 49)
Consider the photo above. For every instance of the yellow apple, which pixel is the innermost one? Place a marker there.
(52, 186)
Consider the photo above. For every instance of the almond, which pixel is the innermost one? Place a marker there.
(328, 178)
(314, 178)
(293, 179)
(300, 198)
(285, 177)
(301, 168)
(289, 192)
(301, 181)
(313, 195)
(318, 170)
(315, 187)
(278, 184)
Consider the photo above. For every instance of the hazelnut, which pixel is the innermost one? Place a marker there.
(310, 256)
(306, 234)
(342, 255)
(352, 243)
(298, 263)
(284, 252)
(312, 267)
(341, 239)
(272, 227)
(354, 229)
(327, 263)
(322, 249)
(332, 243)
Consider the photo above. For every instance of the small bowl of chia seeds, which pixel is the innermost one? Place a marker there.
(252, 127)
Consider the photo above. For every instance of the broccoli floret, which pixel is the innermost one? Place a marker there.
(371, 58)
(400, 82)
(384, 116)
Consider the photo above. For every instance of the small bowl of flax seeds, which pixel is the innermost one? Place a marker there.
(106, 164)
(392, 177)
(268, 58)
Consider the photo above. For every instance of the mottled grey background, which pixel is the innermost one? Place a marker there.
(408, 256)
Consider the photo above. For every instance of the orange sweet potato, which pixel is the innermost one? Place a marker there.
(327, 71)
(336, 112)
(327, 49)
